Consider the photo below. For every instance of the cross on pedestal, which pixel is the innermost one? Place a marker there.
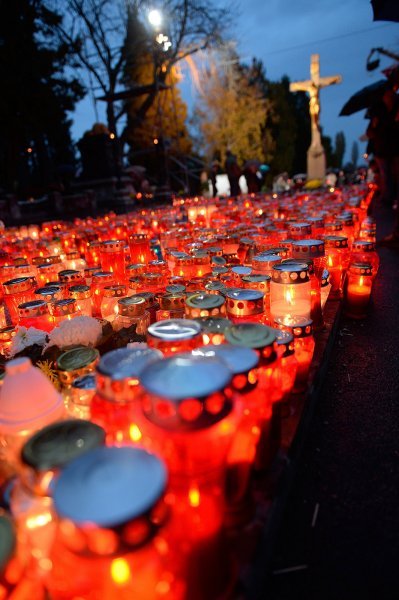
(316, 155)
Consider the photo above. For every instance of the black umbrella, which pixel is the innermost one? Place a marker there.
(385, 10)
(364, 98)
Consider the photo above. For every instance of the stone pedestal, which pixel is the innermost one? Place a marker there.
(316, 162)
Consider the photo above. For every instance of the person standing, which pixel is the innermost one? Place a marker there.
(233, 172)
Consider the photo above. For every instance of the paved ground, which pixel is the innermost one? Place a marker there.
(339, 538)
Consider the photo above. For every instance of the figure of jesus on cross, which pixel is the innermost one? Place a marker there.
(316, 156)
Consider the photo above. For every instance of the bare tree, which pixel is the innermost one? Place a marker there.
(98, 30)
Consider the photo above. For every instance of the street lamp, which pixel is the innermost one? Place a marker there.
(155, 18)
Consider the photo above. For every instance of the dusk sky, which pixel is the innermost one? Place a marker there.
(284, 33)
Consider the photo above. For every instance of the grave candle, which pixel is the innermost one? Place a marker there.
(189, 416)
(174, 335)
(357, 290)
(337, 262)
(290, 290)
(112, 259)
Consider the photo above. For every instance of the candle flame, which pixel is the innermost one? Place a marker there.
(120, 571)
(38, 520)
(194, 497)
(361, 282)
(330, 262)
(135, 433)
(289, 296)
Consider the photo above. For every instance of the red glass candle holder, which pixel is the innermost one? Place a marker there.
(174, 335)
(109, 303)
(338, 256)
(132, 310)
(300, 231)
(65, 310)
(99, 282)
(364, 251)
(171, 306)
(262, 339)
(140, 249)
(82, 295)
(304, 345)
(205, 305)
(288, 362)
(35, 314)
(357, 290)
(43, 456)
(112, 259)
(71, 277)
(192, 424)
(16, 292)
(304, 250)
(242, 362)
(110, 542)
(245, 306)
(262, 264)
(213, 329)
(92, 254)
(114, 404)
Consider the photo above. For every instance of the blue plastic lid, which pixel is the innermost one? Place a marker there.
(185, 376)
(110, 486)
(125, 363)
(238, 358)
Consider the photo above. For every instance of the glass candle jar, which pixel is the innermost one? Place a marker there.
(262, 264)
(205, 305)
(171, 306)
(71, 277)
(6, 335)
(132, 311)
(300, 231)
(261, 283)
(16, 292)
(304, 344)
(140, 249)
(262, 339)
(73, 261)
(348, 226)
(325, 288)
(152, 304)
(48, 294)
(213, 329)
(92, 254)
(190, 418)
(368, 229)
(135, 270)
(82, 295)
(364, 251)
(357, 290)
(174, 335)
(246, 250)
(109, 543)
(89, 272)
(288, 362)
(100, 281)
(214, 287)
(245, 305)
(109, 303)
(112, 258)
(43, 456)
(114, 405)
(48, 272)
(317, 224)
(78, 397)
(290, 290)
(22, 413)
(184, 266)
(75, 363)
(242, 362)
(304, 250)
(338, 256)
(65, 310)
(35, 314)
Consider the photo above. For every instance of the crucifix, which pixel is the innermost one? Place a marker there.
(316, 155)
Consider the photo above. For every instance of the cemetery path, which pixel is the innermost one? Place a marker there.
(339, 536)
